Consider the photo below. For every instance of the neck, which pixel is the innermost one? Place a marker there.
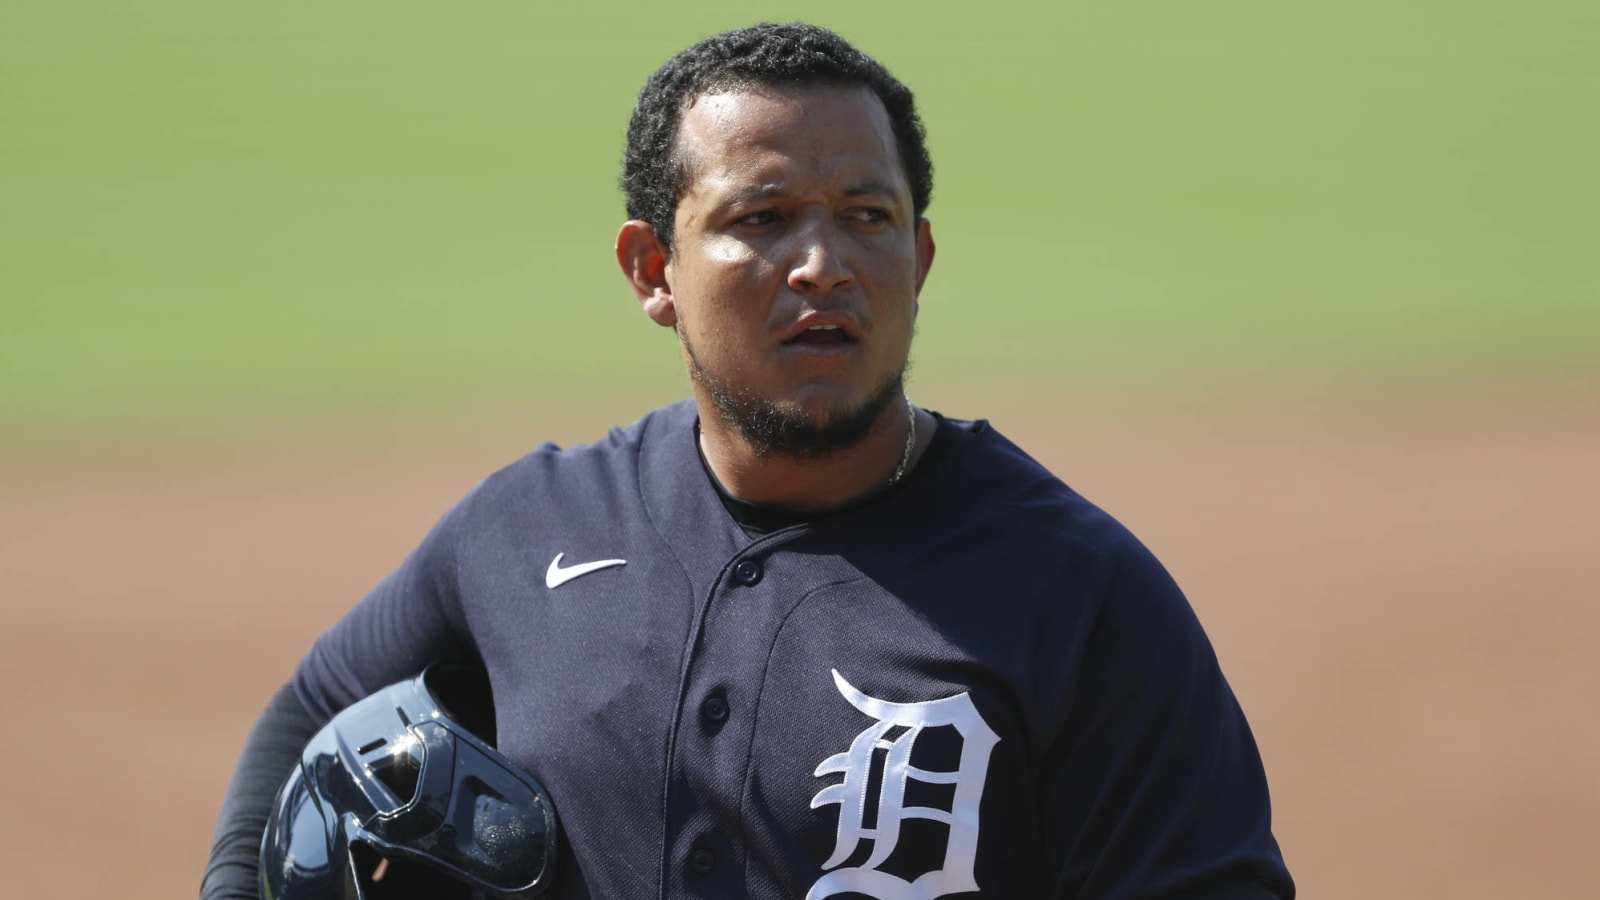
(811, 485)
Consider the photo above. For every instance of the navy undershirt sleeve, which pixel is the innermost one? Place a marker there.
(270, 753)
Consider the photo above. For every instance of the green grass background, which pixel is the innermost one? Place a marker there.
(213, 214)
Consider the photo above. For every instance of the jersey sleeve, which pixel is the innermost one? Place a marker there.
(412, 618)
(270, 752)
(1155, 787)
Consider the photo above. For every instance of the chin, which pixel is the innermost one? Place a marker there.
(814, 425)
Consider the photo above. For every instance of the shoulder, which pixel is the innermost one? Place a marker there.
(593, 470)
(1133, 594)
(1070, 569)
(1004, 491)
(987, 529)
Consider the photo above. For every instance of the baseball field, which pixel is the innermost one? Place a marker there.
(1308, 295)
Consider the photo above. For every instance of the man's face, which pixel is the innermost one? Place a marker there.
(796, 265)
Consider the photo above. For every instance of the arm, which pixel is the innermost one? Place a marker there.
(410, 619)
(270, 753)
(413, 617)
(1155, 788)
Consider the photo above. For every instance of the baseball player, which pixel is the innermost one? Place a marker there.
(796, 636)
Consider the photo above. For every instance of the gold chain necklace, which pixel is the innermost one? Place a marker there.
(911, 443)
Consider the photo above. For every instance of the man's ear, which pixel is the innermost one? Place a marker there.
(644, 263)
(925, 250)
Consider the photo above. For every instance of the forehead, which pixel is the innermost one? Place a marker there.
(783, 135)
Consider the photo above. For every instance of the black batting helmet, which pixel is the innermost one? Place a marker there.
(402, 795)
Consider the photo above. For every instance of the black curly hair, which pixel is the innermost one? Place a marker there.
(654, 177)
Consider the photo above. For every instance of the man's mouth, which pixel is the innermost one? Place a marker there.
(821, 336)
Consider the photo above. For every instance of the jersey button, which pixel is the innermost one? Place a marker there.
(747, 572)
(715, 708)
(702, 861)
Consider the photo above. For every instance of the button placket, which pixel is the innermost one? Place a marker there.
(708, 760)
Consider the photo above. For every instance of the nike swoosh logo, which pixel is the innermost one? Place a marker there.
(556, 576)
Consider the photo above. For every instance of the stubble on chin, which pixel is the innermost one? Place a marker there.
(772, 428)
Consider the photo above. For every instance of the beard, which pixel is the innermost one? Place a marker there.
(775, 429)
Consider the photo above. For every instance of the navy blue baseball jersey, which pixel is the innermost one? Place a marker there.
(976, 684)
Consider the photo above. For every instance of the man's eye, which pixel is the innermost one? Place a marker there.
(870, 215)
(760, 217)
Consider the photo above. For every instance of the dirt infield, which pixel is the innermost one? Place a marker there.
(1405, 599)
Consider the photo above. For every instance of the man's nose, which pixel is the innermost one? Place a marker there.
(819, 264)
